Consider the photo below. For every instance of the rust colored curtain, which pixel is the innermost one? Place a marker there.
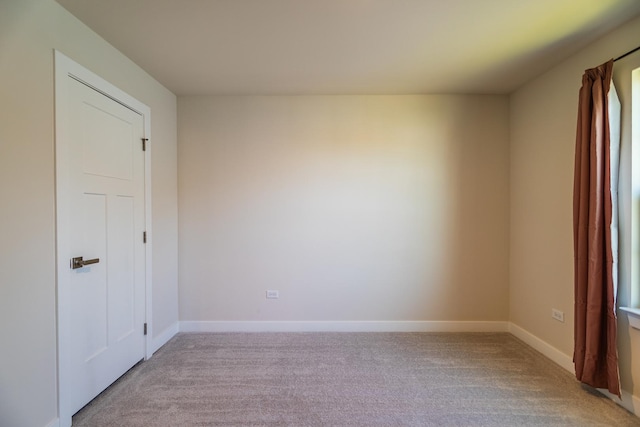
(595, 353)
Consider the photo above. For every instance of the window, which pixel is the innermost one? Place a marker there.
(633, 305)
(634, 300)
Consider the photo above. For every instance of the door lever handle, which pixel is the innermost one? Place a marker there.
(78, 262)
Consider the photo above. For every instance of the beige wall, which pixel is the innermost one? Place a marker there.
(29, 31)
(543, 125)
(353, 207)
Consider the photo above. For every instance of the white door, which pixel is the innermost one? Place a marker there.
(101, 298)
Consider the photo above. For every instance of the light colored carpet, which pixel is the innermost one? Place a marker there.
(349, 379)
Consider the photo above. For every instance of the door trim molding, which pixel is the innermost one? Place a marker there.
(66, 68)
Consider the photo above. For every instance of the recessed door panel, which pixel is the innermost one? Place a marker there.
(90, 282)
(122, 268)
(109, 152)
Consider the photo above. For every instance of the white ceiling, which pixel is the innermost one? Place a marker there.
(197, 47)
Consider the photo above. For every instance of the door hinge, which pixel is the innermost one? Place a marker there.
(144, 144)
(145, 329)
(144, 237)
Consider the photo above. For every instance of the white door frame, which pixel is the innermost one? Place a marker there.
(66, 69)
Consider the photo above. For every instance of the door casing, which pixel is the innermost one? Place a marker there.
(65, 69)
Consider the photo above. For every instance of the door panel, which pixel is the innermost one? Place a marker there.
(89, 284)
(122, 269)
(110, 153)
(105, 300)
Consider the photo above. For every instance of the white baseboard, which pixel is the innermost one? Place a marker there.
(338, 326)
(628, 401)
(163, 337)
(543, 347)
(53, 423)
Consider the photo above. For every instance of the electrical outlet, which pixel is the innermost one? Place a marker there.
(273, 294)
(557, 314)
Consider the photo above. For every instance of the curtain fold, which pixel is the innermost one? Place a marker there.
(595, 231)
